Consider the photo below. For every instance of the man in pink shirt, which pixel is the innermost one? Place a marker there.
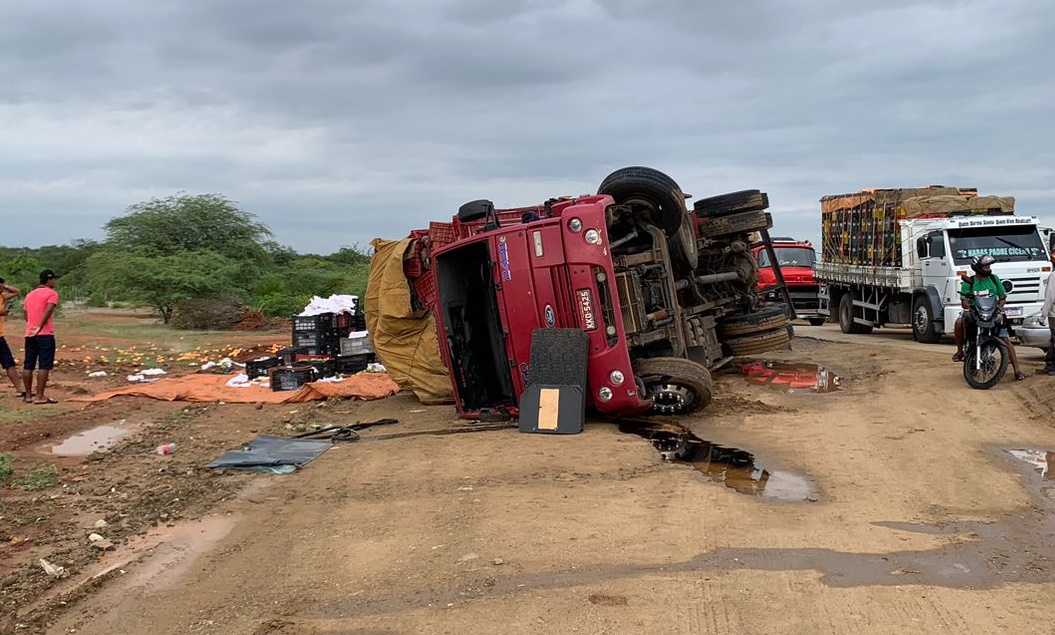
(40, 304)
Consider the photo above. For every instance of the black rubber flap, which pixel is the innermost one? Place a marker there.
(554, 401)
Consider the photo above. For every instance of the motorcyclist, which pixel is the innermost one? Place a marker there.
(983, 284)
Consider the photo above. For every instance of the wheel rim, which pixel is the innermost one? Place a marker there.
(671, 398)
(922, 319)
(989, 366)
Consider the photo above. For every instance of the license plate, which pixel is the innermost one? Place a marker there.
(585, 300)
(1013, 311)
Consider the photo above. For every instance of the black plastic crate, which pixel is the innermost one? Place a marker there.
(288, 355)
(323, 367)
(349, 364)
(290, 378)
(326, 337)
(259, 367)
(356, 346)
(318, 322)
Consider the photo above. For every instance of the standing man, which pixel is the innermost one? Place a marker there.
(1047, 314)
(7, 360)
(40, 337)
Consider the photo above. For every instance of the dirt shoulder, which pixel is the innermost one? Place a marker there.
(918, 519)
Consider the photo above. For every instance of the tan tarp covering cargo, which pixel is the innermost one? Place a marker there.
(948, 204)
(404, 341)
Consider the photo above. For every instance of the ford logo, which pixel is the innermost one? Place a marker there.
(551, 318)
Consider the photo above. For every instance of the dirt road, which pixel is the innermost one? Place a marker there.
(889, 506)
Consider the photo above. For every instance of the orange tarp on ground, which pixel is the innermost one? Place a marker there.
(205, 387)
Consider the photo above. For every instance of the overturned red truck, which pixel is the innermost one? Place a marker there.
(664, 294)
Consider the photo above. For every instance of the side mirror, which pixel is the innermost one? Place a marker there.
(921, 247)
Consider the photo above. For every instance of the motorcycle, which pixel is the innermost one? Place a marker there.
(985, 354)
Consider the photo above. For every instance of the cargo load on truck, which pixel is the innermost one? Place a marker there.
(861, 228)
(895, 256)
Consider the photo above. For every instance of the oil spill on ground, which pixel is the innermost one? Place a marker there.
(735, 468)
(791, 376)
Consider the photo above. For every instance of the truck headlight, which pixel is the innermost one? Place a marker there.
(616, 377)
(593, 236)
(575, 225)
(604, 394)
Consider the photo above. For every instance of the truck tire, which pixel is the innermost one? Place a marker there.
(846, 317)
(923, 322)
(772, 340)
(764, 320)
(725, 204)
(474, 210)
(683, 250)
(739, 223)
(653, 187)
(677, 386)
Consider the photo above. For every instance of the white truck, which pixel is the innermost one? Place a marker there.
(897, 256)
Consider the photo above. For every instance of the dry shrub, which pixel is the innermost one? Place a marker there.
(221, 312)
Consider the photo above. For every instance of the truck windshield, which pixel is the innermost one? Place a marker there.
(789, 257)
(1008, 244)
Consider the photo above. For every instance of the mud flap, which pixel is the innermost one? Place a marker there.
(554, 400)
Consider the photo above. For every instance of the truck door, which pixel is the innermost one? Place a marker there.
(935, 268)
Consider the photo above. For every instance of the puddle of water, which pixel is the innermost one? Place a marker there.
(93, 440)
(791, 376)
(735, 468)
(1042, 461)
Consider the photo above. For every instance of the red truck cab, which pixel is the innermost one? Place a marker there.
(533, 272)
(796, 259)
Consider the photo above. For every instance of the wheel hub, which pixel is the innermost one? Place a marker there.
(671, 398)
(921, 320)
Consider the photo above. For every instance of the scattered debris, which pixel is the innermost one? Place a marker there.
(54, 570)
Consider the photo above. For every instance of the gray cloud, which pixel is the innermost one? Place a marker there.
(335, 122)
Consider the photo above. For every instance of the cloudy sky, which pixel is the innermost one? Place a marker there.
(335, 121)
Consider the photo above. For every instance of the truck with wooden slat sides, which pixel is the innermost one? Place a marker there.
(897, 257)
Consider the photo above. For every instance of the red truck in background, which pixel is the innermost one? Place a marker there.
(664, 294)
(796, 259)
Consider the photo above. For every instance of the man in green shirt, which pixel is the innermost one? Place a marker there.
(984, 284)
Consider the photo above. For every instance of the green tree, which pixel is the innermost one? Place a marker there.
(181, 223)
(161, 282)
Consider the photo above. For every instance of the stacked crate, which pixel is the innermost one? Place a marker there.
(317, 350)
(319, 334)
(862, 228)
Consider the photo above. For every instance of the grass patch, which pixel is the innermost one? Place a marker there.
(23, 414)
(42, 477)
(5, 467)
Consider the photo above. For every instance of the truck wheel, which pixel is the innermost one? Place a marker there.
(772, 340)
(474, 210)
(657, 190)
(725, 204)
(846, 317)
(683, 250)
(763, 320)
(815, 321)
(923, 322)
(677, 386)
(739, 223)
